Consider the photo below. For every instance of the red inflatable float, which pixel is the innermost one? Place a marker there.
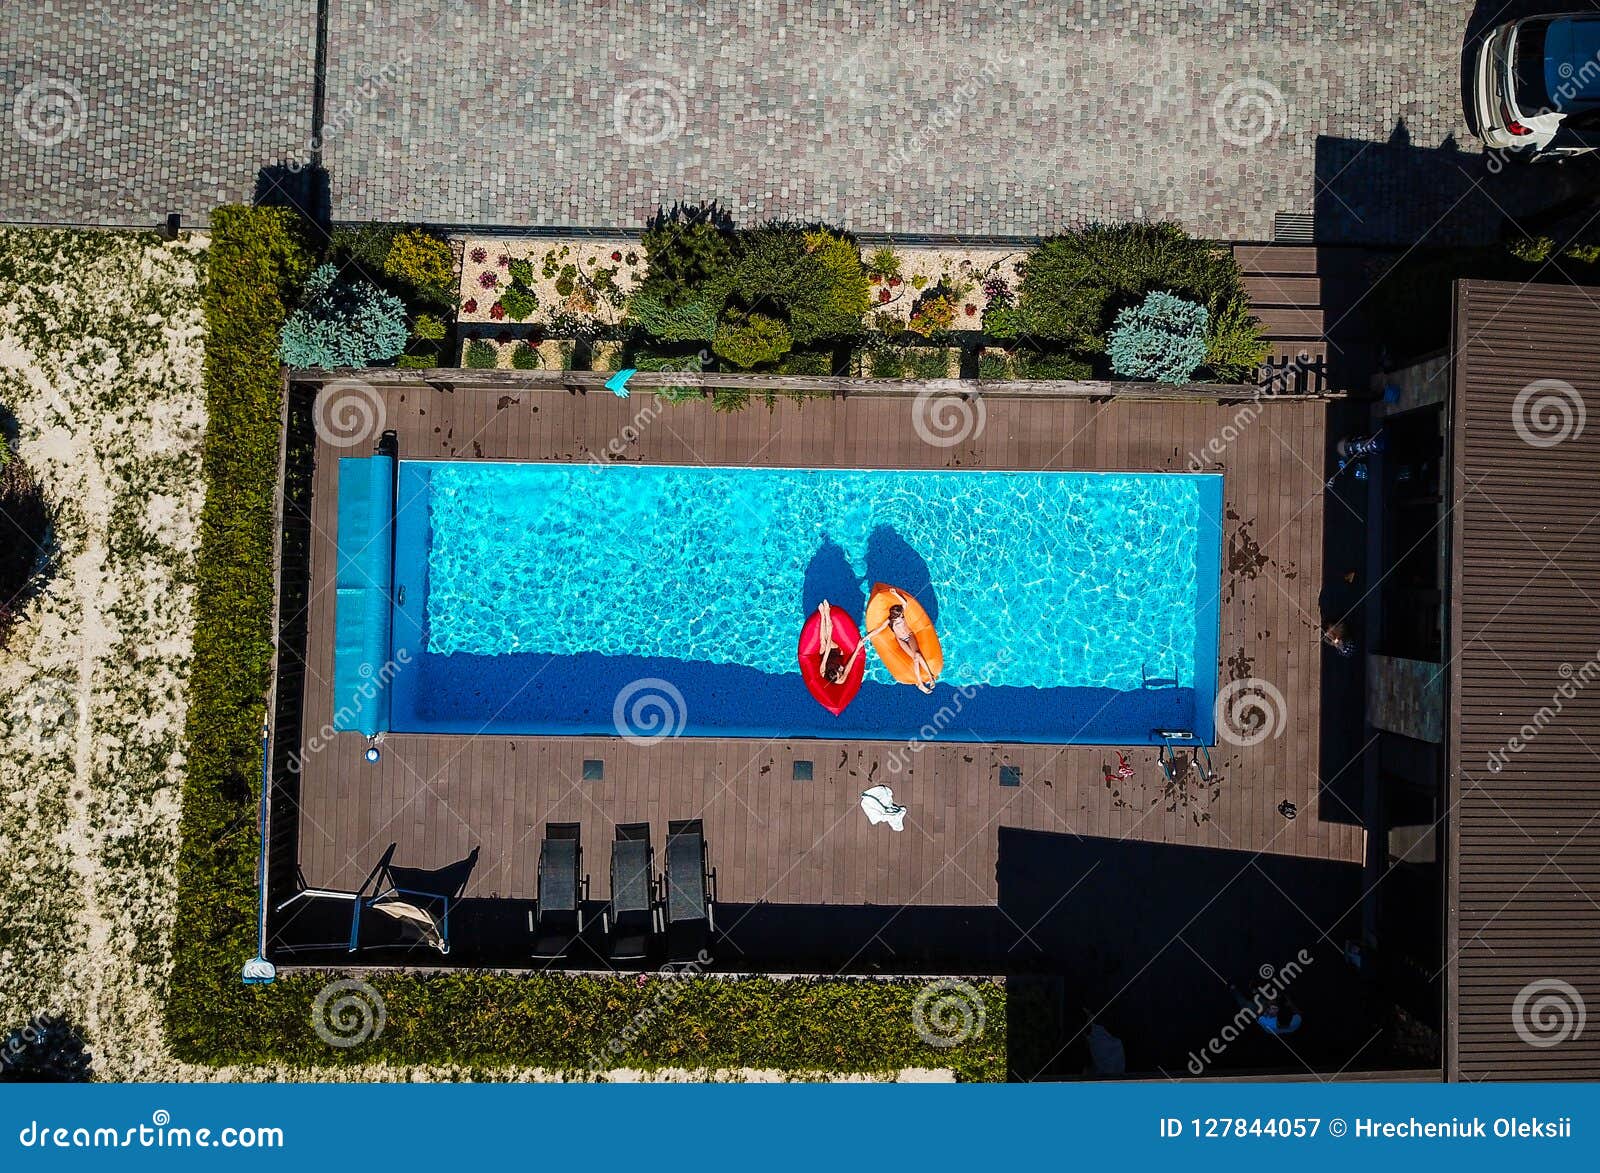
(847, 638)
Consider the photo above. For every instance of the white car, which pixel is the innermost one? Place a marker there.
(1536, 89)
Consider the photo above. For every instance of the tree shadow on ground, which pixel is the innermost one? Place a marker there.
(895, 562)
(830, 576)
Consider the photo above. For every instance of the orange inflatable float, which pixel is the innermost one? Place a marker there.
(894, 657)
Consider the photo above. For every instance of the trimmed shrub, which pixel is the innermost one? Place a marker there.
(482, 355)
(992, 365)
(690, 253)
(831, 294)
(806, 362)
(365, 248)
(526, 357)
(1163, 339)
(811, 277)
(691, 321)
(424, 263)
(929, 363)
(1002, 322)
(520, 302)
(343, 324)
(747, 341)
(1235, 349)
(1073, 282)
(429, 328)
(420, 361)
(1047, 364)
(886, 362)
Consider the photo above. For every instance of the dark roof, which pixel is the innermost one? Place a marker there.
(1523, 936)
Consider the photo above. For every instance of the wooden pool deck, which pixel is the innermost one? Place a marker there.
(771, 838)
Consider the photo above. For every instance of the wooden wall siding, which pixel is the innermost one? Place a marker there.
(775, 839)
(1524, 872)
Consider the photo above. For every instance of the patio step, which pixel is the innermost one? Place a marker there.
(1290, 322)
(1276, 258)
(1270, 290)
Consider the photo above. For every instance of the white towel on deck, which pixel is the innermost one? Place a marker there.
(880, 806)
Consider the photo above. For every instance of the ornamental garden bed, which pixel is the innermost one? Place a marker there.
(1136, 301)
(548, 282)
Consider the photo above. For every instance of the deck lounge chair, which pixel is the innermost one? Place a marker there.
(630, 918)
(558, 914)
(690, 892)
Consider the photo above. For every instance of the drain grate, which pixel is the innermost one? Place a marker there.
(1294, 227)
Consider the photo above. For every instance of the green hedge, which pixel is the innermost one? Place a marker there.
(579, 1023)
(256, 259)
(477, 1021)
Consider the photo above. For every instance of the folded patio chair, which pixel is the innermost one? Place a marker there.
(558, 912)
(690, 893)
(630, 918)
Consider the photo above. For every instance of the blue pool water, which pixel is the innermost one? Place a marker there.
(1075, 607)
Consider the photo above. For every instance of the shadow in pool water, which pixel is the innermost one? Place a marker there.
(894, 561)
(538, 693)
(830, 576)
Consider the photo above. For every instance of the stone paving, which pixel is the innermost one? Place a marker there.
(1014, 117)
(1010, 117)
(119, 113)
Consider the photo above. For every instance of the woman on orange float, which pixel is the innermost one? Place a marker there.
(898, 626)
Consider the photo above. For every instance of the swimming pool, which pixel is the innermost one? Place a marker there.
(1072, 607)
